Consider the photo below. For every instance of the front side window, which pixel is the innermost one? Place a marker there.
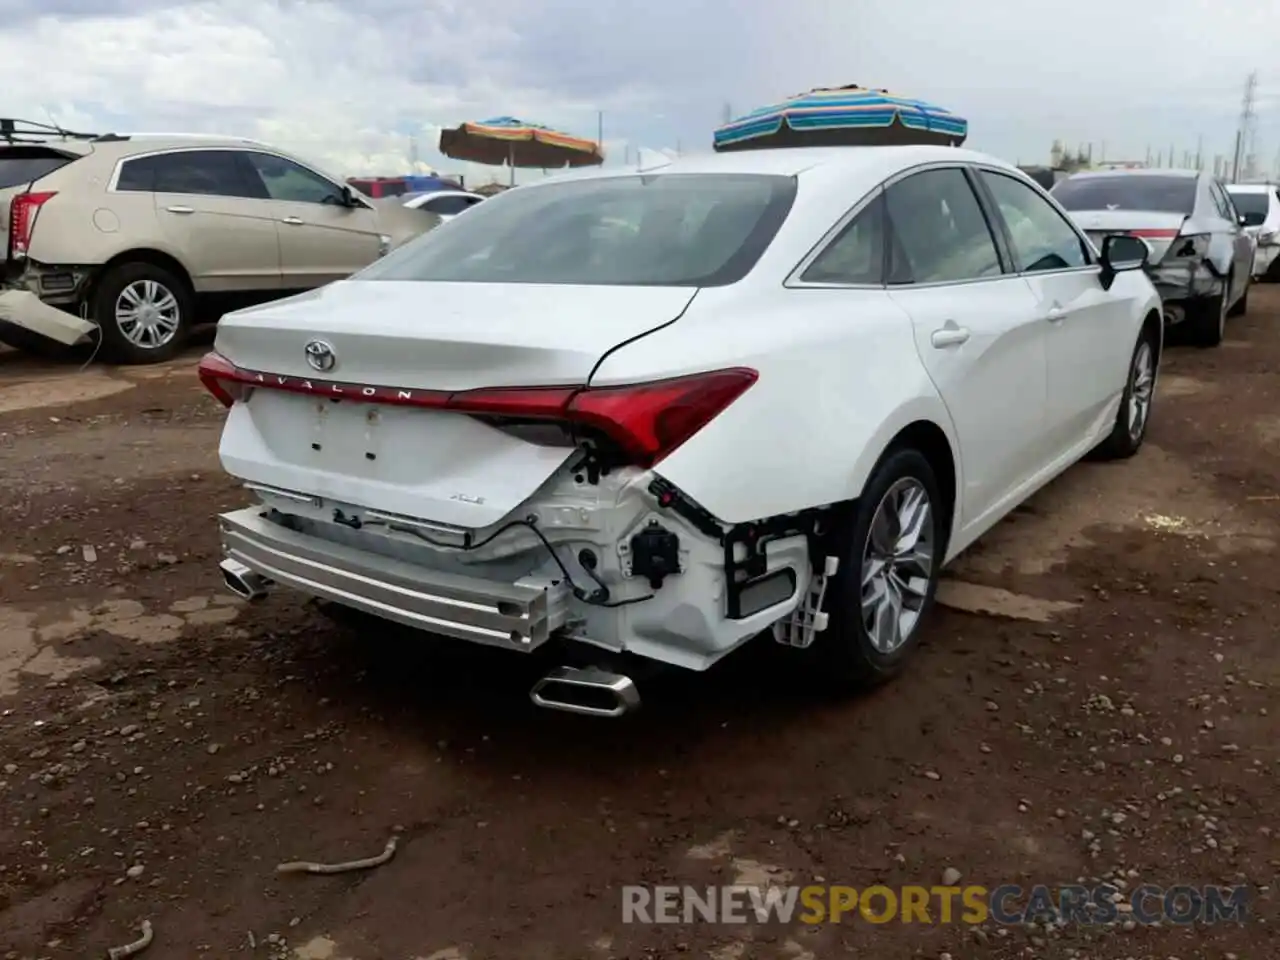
(688, 230)
(214, 173)
(288, 181)
(1042, 239)
(1252, 203)
(857, 255)
(941, 232)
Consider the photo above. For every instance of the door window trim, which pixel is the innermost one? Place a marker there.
(997, 237)
(222, 148)
(988, 197)
(793, 280)
(113, 184)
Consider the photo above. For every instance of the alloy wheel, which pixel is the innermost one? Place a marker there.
(147, 314)
(1141, 389)
(897, 565)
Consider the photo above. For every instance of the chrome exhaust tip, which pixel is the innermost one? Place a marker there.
(591, 692)
(242, 581)
(1173, 315)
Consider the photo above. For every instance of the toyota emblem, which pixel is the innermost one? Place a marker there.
(321, 356)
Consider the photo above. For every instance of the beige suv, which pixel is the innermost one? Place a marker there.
(131, 235)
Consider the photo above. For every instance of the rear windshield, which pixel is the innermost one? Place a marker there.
(1132, 192)
(1250, 201)
(20, 165)
(677, 230)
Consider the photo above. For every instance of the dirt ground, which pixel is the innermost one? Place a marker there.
(1096, 700)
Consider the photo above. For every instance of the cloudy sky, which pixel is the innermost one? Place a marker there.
(349, 82)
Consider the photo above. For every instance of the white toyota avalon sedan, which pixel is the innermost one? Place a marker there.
(647, 416)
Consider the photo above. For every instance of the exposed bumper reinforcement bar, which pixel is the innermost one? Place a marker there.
(520, 616)
(24, 309)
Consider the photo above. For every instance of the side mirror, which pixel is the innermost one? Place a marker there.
(349, 197)
(1121, 252)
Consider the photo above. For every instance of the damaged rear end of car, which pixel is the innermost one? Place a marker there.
(440, 452)
(37, 300)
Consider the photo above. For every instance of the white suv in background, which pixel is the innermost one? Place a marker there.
(1259, 205)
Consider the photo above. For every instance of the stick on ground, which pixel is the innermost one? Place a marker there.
(306, 866)
(131, 949)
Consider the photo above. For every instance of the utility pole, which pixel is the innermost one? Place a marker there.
(1148, 160)
(727, 113)
(1200, 152)
(1245, 131)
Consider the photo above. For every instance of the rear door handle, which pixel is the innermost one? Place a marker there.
(181, 209)
(1055, 315)
(950, 336)
(292, 221)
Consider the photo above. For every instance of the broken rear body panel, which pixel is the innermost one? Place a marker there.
(471, 526)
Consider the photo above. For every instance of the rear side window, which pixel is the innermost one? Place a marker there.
(1153, 194)
(21, 165)
(857, 255)
(216, 173)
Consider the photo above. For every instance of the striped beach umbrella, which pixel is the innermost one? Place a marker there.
(843, 116)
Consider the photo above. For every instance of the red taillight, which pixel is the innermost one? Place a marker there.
(223, 379)
(646, 420)
(649, 420)
(22, 219)
(1154, 234)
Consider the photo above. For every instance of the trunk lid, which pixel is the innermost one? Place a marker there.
(430, 464)
(1158, 229)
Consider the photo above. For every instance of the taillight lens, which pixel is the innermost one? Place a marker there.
(647, 421)
(223, 379)
(22, 220)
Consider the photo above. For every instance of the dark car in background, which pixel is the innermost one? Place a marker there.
(1201, 256)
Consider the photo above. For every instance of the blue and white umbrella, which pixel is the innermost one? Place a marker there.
(843, 116)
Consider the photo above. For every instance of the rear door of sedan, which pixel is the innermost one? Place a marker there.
(976, 329)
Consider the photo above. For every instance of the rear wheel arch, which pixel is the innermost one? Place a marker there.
(157, 258)
(929, 439)
(1153, 327)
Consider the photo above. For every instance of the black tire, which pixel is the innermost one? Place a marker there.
(843, 656)
(1124, 440)
(1242, 305)
(116, 346)
(1206, 321)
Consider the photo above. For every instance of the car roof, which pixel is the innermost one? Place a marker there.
(1251, 187)
(442, 193)
(793, 161)
(1145, 172)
